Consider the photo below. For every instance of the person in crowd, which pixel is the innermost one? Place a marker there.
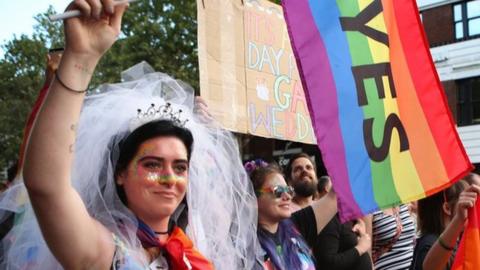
(52, 60)
(285, 237)
(393, 237)
(343, 246)
(433, 215)
(323, 187)
(154, 150)
(301, 174)
(413, 208)
(7, 223)
(441, 219)
(107, 182)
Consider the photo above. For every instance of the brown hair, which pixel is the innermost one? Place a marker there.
(259, 175)
(430, 209)
(470, 178)
(288, 169)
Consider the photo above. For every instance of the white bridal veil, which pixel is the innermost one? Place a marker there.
(222, 214)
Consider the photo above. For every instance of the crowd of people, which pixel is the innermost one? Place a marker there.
(135, 176)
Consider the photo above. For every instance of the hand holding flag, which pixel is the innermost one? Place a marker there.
(467, 257)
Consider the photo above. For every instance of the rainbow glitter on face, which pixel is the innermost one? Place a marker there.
(146, 150)
(165, 179)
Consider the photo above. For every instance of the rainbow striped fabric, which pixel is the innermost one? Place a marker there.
(467, 257)
(377, 106)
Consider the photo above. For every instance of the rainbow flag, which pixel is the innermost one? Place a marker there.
(468, 253)
(377, 106)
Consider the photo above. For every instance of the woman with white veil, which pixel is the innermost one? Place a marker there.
(107, 175)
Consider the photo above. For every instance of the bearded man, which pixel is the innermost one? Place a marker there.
(301, 174)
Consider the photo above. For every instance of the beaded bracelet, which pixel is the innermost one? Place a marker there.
(443, 245)
(66, 87)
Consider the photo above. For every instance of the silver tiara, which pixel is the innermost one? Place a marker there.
(153, 112)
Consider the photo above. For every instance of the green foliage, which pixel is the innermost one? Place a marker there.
(161, 32)
(50, 33)
(22, 73)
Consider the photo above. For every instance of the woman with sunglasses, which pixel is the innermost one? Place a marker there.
(282, 234)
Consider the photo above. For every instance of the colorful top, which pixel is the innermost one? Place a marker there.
(298, 247)
(393, 239)
(177, 253)
(307, 263)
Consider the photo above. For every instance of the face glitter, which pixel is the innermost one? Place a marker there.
(164, 179)
(148, 149)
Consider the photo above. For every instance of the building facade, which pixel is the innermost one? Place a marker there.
(452, 28)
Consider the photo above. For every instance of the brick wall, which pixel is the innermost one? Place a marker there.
(451, 91)
(438, 25)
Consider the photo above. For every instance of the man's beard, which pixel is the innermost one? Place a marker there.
(305, 188)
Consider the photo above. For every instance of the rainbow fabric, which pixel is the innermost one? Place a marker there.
(470, 242)
(377, 106)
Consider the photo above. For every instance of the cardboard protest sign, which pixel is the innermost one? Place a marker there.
(222, 61)
(248, 73)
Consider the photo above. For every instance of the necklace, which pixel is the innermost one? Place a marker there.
(166, 232)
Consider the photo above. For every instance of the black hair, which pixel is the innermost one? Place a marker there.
(288, 169)
(12, 172)
(130, 145)
(322, 183)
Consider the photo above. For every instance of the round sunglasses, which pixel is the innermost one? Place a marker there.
(277, 191)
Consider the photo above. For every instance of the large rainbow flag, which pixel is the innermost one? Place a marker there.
(377, 106)
(468, 253)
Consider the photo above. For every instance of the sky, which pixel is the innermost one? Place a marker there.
(16, 16)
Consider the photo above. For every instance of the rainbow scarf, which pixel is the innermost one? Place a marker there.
(377, 106)
(181, 253)
(468, 253)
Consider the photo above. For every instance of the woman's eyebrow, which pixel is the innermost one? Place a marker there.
(180, 161)
(151, 157)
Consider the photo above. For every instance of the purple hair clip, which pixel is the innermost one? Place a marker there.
(252, 165)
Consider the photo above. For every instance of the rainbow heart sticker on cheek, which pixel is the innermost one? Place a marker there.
(165, 179)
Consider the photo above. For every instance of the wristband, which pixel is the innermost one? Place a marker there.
(443, 245)
(66, 87)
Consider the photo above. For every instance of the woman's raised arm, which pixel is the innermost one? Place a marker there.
(76, 240)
